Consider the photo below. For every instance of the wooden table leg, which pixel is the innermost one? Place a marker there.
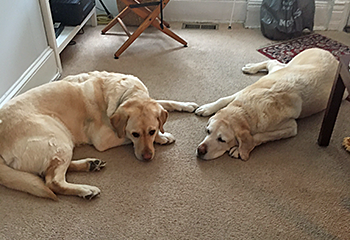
(331, 113)
(341, 82)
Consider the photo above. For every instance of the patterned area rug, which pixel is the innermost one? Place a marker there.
(285, 51)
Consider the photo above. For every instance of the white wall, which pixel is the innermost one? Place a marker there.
(21, 39)
(205, 10)
(329, 15)
(23, 47)
(111, 6)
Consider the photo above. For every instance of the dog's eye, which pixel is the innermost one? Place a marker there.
(135, 134)
(221, 140)
(152, 132)
(208, 131)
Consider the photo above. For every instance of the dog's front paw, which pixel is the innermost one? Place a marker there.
(96, 165)
(250, 68)
(164, 138)
(205, 110)
(189, 106)
(234, 152)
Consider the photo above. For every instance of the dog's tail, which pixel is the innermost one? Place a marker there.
(24, 181)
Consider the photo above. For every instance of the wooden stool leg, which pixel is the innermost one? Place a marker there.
(151, 17)
(331, 113)
(137, 33)
(144, 12)
(115, 20)
(169, 33)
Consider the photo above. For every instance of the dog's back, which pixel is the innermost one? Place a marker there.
(316, 70)
(309, 75)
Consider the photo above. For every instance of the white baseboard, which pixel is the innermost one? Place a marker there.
(43, 70)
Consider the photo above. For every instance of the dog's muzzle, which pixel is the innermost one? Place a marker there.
(147, 155)
(202, 150)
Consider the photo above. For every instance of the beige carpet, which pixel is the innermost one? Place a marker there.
(289, 189)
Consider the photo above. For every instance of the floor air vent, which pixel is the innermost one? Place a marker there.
(210, 26)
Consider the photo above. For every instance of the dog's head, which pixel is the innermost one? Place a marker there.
(140, 121)
(224, 133)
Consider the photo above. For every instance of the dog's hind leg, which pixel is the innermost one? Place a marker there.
(55, 177)
(24, 181)
(269, 65)
(86, 165)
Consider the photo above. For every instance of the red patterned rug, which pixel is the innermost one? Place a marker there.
(285, 51)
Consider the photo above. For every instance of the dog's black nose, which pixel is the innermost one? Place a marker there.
(202, 150)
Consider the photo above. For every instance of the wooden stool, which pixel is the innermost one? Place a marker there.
(341, 81)
(150, 16)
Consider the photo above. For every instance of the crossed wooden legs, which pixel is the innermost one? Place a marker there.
(151, 18)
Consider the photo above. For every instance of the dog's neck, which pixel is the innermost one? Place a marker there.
(127, 95)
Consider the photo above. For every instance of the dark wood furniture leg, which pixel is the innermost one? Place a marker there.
(342, 81)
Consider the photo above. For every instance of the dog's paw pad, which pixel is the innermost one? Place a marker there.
(96, 165)
(346, 143)
(91, 196)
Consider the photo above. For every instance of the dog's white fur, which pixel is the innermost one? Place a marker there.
(267, 110)
(39, 129)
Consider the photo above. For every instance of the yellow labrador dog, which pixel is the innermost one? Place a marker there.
(39, 129)
(267, 110)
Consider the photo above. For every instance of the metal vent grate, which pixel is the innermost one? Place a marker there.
(210, 26)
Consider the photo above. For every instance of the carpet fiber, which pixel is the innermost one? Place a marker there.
(285, 51)
(289, 189)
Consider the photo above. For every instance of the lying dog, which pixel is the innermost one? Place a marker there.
(267, 110)
(39, 129)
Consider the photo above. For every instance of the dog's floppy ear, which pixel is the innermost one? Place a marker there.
(245, 143)
(210, 120)
(162, 119)
(119, 120)
(245, 140)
